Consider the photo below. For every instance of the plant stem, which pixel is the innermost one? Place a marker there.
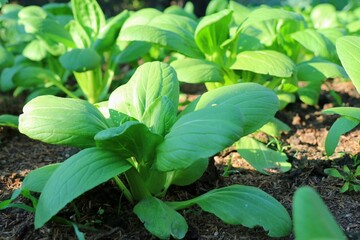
(124, 189)
(137, 185)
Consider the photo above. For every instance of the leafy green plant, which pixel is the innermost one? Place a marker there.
(312, 219)
(348, 48)
(8, 120)
(350, 177)
(139, 135)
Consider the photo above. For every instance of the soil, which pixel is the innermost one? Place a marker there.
(111, 217)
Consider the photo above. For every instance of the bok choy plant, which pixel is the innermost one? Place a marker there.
(208, 52)
(138, 139)
(348, 48)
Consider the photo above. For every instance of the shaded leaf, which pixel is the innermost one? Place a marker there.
(313, 221)
(35, 181)
(190, 70)
(199, 135)
(264, 62)
(262, 158)
(256, 110)
(65, 121)
(8, 120)
(160, 219)
(245, 205)
(80, 60)
(348, 49)
(76, 175)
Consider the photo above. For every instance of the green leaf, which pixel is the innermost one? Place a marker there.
(342, 125)
(150, 82)
(35, 50)
(190, 70)
(108, 34)
(160, 116)
(133, 51)
(212, 31)
(190, 174)
(167, 222)
(324, 16)
(352, 112)
(48, 30)
(32, 11)
(90, 16)
(256, 110)
(216, 6)
(262, 158)
(78, 34)
(198, 135)
(266, 13)
(245, 205)
(80, 60)
(131, 139)
(6, 58)
(319, 70)
(265, 62)
(8, 120)
(274, 127)
(34, 76)
(333, 172)
(78, 174)
(36, 180)
(168, 30)
(348, 49)
(65, 121)
(316, 42)
(313, 221)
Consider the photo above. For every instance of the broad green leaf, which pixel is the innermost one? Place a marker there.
(34, 76)
(262, 158)
(256, 110)
(80, 60)
(316, 42)
(324, 16)
(190, 174)
(160, 219)
(342, 125)
(78, 34)
(32, 11)
(314, 73)
(8, 120)
(149, 82)
(168, 30)
(131, 139)
(333, 172)
(211, 32)
(6, 58)
(76, 175)
(274, 127)
(109, 33)
(160, 116)
(351, 112)
(245, 205)
(90, 16)
(319, 70)
(65, 121)
(348, 49)
(192, 70)
(48, 30)
(313, 221)
(240, 12)
(141, 17)
(198, 135)
(265, 62)
(266, 13)
(133, 51)
(6, 78)
(175, 9)
(35, 50)
(36, 180)
(215, 6)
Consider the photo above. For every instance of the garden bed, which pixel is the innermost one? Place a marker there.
(108, 216)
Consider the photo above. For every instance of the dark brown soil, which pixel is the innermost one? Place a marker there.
(111, 216)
